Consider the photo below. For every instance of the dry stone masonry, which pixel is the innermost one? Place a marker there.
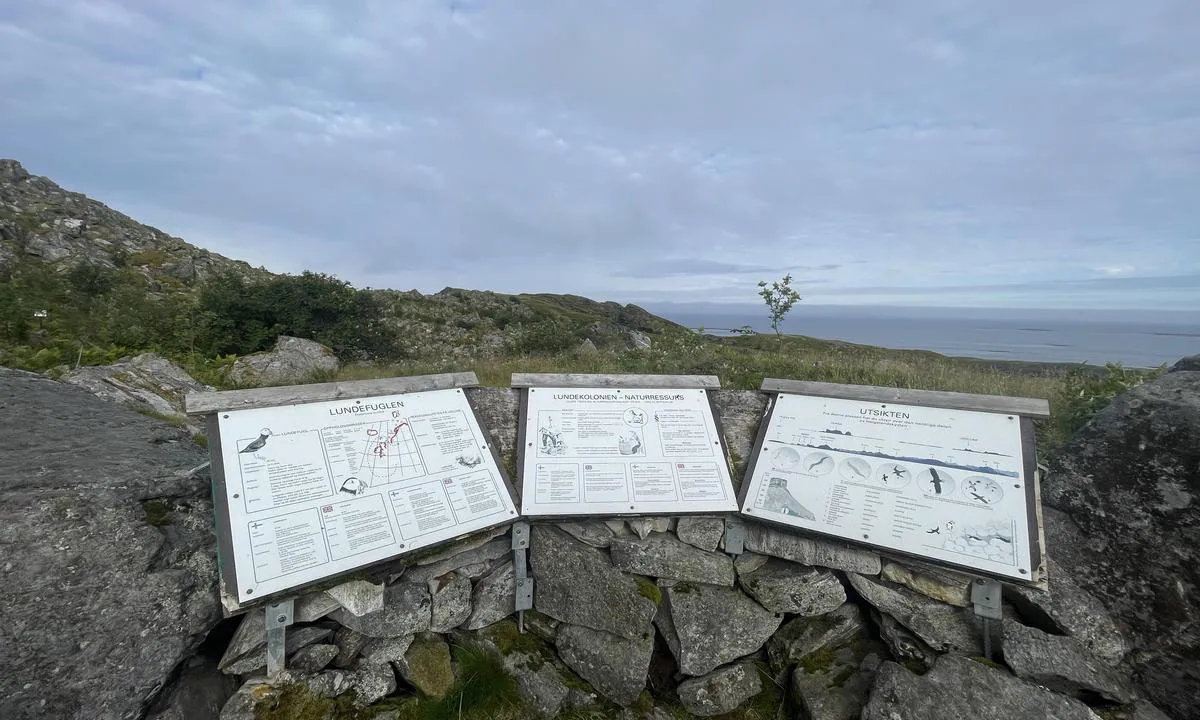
(634, 617)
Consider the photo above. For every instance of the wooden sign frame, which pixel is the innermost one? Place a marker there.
(532, 382)
(1024, 410)
(212, 405)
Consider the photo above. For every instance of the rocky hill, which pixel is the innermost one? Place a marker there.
(43, 222)
(85, 263)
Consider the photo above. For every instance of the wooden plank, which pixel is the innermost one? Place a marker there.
(524, 380)
(1025, 407)
(212, 402)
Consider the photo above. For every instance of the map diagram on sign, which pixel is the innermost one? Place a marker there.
(372, 454)
(939, 483)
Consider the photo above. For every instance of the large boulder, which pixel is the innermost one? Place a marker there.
(107, 565)
(708, 625)
(293, 360)
(148, 383)
(1130, 483)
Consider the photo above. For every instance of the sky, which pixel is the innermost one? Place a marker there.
(937, 153)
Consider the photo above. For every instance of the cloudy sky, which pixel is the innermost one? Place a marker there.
(941, 152)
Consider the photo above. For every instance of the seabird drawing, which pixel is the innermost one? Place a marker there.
(259, 443)
(936, 480)
(780, 499)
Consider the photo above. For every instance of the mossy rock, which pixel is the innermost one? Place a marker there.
(426, 666)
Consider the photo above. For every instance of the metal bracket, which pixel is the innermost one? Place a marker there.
(735, 536)
(522, 583)
(987, 597)
(279, 616)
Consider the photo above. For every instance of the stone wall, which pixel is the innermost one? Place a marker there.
(650, 617)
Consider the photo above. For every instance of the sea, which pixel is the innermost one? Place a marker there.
(1133, 338)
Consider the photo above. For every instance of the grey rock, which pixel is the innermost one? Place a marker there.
(662, 524)
(241, 705)
(439, 554)
(370, 682)
(748, 562)
(198, 694)
(740, 413)
(805, 636)
(349, 644)
(836, 684)
(292, 360)
(147, 382)
(311, 607)
(614, 665)
(97, 606)
(706, 626)
(958, 688)
(471, 562)
(577, 584)
(451, 601)
(589, 532)
(1061, 664)
(618, 528)
(406, 610)
(664, 556)
(312, 659)
(720, 691)
(541, 625)
(493, 598)
(1130, 482)
(251, 635)
(903, 644)
(359, 597)
(1138, 710)
(1072, 611)
(948, 586)
(377, 651)
(639, 340)
(426, 666)
(642, 527)
(294, 639)
(785, 587)
(810, 551)
(703, 532)
(943, 627)
(1190, 363)
(587, 347)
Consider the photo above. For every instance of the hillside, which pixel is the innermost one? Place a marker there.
(105, 280)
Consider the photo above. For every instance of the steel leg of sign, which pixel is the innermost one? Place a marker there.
(987, 597)
(279, 616)
(522, 583)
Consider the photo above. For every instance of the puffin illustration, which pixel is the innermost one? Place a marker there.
(259, 443)
(780, 499)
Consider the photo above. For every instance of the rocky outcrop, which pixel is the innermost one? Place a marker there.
(107, 560)
(292, 360)
(1130, 483)
(147, 382)
(958, 688)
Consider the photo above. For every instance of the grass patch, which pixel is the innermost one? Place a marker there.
(484, 691)
(648, 589)
(158, 513)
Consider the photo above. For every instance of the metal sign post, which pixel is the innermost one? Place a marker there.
(279, 616)
(987, 597)
(522, 583)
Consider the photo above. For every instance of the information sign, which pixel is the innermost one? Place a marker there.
(316, 489)
(949, 485)
(622, 451)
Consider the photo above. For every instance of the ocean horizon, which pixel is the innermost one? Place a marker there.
(1134, 338)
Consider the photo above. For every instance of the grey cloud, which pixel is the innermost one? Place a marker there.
(496, 144)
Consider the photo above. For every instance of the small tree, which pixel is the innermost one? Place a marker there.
(779, 297)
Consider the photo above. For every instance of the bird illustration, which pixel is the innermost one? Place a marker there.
(780, 499)
(260, 443)
(936, 480)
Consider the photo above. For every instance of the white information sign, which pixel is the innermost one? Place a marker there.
(944, 484)
(608, 451)
(317, 489)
